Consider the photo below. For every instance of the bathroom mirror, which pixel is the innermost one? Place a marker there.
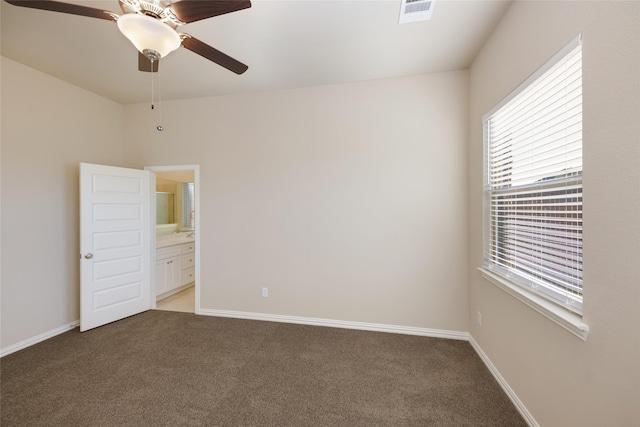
(165, 208)
(175, 202)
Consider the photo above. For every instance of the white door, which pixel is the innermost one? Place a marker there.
(115, 244)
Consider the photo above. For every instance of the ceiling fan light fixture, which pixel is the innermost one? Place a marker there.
(147, 33)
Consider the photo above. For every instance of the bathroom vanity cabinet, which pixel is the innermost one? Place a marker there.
(174, 269)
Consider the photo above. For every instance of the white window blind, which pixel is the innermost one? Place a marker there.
(533, 182)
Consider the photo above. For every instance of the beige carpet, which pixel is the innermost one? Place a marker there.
(164, 368)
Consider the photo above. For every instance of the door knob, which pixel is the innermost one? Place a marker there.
(89, 255)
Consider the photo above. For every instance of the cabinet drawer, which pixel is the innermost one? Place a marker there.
(188, 275)
(187, 248)
(168, 252)
(188, 260)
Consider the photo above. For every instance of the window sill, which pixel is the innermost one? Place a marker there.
(564, 318)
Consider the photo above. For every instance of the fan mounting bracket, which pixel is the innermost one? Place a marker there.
(154, 8)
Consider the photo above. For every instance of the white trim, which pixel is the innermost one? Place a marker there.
(570, 321)
(38, 338)
(375, 327)
(503, 383)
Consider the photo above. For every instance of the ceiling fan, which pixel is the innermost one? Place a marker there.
(151, 25)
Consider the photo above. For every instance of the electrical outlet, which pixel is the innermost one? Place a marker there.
(265, 292)
(479, 318)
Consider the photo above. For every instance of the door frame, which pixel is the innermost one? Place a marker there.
(196, 179)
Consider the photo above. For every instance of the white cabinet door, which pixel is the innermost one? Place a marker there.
(168, 274)
(188, 261)
(188, 275)
(187, 248)
(115, 244)
(174, 273)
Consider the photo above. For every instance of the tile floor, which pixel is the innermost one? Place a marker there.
(184, 301)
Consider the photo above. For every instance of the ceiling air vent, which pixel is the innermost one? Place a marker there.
(415, 10)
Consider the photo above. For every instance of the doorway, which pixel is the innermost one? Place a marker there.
(176, 253)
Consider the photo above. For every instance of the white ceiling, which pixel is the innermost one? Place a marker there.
(286, 44)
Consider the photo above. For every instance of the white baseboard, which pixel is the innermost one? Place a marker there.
(376, 327)
(38, 338)
(503, 383)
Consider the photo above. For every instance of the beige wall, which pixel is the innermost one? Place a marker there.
(166, 185)
(562, 380)
(348, 202)
(48, 128)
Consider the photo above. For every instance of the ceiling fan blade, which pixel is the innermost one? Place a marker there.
(144, 64)
(195, 10)
(206, 51)
(73, 9)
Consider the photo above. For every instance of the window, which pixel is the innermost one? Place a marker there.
(533, 182)
(188, 205)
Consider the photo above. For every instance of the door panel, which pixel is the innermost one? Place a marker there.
(116, 239)
(116, 269)
(116, 295)
(115, 243)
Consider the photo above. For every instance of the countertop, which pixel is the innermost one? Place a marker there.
(173, 239)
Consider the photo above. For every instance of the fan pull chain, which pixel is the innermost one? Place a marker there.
(152, 85)
(159, 128)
